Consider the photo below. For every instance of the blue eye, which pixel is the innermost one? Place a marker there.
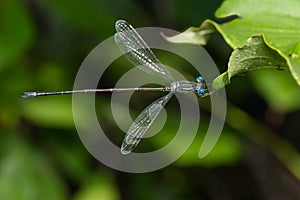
(201, 91)
(200, 79)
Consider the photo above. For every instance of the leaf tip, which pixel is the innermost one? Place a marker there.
(221, 81)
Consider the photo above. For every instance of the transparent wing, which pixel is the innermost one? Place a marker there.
(142, 123)
(138, 52)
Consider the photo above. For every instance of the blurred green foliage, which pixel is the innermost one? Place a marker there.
(42, 44)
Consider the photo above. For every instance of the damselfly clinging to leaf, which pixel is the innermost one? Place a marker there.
(141, 56)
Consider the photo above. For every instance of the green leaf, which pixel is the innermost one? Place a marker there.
(255, 54)
(277, 21)
(193, 35)
(221, 81)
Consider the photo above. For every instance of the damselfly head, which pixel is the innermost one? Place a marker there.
(201, 87)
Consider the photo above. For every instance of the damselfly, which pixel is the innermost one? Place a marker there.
(140, 55)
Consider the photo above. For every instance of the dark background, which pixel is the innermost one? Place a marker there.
(42, 45)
